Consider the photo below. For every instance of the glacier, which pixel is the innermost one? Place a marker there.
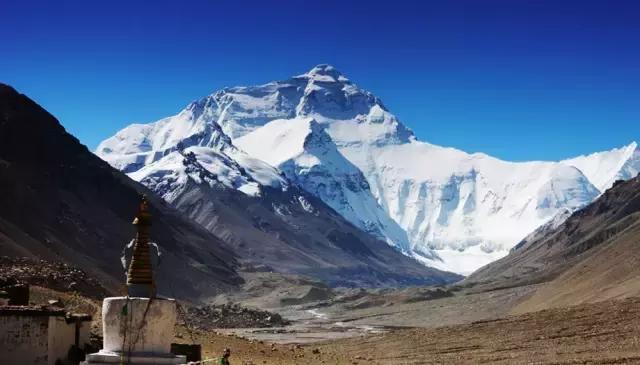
(307, 156)
(450, 209)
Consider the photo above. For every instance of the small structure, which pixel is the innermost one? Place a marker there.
(13, 292)
(138, 328)
(42, 335)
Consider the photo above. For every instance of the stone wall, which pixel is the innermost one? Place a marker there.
(24, 340)
(39, 336)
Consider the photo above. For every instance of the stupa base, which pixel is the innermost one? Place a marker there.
(109, 358)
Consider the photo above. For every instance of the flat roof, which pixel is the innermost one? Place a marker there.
(30, 310)
(41, 310)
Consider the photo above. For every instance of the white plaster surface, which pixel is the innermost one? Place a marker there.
(61, 337)
(140, 335)
(146, 328)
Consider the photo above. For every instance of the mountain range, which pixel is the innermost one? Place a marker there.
(320, 132)
(62, 203)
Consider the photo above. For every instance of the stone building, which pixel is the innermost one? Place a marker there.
(41, 335)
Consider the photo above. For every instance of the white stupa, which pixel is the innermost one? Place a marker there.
(138, 328)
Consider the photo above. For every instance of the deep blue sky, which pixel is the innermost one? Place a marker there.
(516, 79)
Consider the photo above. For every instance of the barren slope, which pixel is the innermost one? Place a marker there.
(61, 202)
(602, 333)
(592, 256)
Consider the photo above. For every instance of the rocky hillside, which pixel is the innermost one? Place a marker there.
(592, 256)
(292, 232)
(62, 203)
(57, 276)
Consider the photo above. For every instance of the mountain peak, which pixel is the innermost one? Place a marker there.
(4, 88)
(633, 146)
(324, 72)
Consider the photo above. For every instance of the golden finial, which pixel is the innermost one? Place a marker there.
(143, 217)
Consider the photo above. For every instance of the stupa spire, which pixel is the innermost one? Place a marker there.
(140, 281)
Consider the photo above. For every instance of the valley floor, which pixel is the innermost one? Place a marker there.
(601, 333)
(607, 332)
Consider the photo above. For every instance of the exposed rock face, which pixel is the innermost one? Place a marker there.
(232, 316)
(61, 202)
(54, 275)
(293, 232)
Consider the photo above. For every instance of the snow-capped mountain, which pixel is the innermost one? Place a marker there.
(154, 154)
(305, 153)
(604, 168)
(157, 153)
(268, 214)
(468, 208)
